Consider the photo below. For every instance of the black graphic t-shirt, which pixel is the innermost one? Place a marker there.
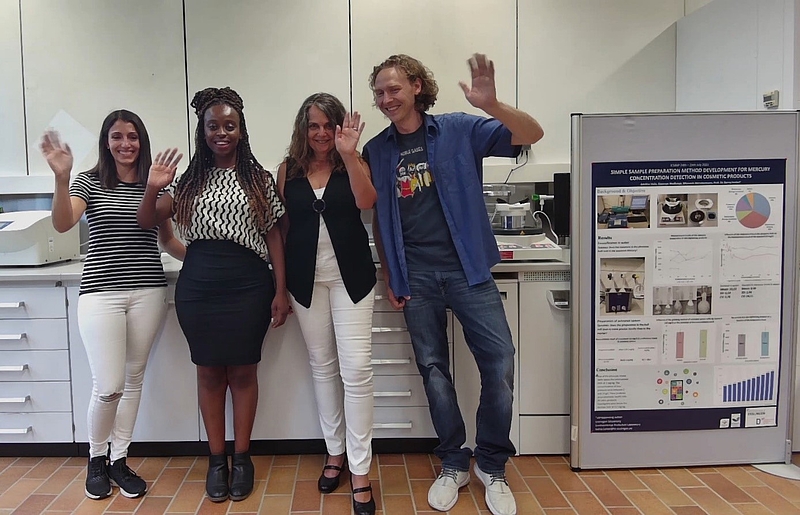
(429, 246)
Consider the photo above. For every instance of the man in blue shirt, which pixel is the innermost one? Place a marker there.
(437, 248)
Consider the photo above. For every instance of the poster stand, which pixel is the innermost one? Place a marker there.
(684, 259)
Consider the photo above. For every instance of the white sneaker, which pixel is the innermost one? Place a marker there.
(499, 498)
(443, 493)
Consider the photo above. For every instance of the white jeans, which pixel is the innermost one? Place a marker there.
(117, 329)
(338, 335)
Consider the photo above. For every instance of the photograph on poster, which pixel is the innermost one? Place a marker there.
(622, 286)
(702, 210)
(623, 211)
(682, 300)
(672, 210)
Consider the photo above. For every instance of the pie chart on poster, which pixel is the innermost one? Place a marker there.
(753, 210)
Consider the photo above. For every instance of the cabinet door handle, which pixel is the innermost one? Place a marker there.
(401, 361)
(389, 329)
(380, 297)
(16, 431)
(562, 304)
(15, 400)
(503, 295)
(12, 305)
(392, 425)
(406, 393)
(171, 302)
(13, 337)
(14, 368)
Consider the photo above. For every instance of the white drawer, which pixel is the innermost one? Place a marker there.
(400, 391)
(30, 397)
(544, 435)
(41, 302)
(396, 359)
(391, 328)
(39, 334)
(34, 365)
(35, 427)
(403, 422)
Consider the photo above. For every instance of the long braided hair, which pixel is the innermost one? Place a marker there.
(254, 179)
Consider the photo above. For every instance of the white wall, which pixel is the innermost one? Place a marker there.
(577, 57)
(12, 128)
(87, 57)
(730, 52)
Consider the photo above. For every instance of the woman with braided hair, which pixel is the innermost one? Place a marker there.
(226, 207)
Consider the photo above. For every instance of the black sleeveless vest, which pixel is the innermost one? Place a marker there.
(348, 235)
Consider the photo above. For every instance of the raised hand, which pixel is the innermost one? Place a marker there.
(57, 154)
(348, 133)
(482, 94)
(162, 171)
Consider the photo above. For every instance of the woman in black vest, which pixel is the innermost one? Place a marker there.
(330, 275)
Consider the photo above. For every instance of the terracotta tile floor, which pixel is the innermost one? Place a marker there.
(287, 485)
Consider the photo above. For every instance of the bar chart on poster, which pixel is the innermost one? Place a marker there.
(706, 344)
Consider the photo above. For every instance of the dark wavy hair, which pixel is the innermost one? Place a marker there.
(106, 167)
(254, 179)
(299, 154)
(414, 70)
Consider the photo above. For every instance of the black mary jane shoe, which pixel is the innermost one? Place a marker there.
(217, 478)
(327, 484)
(363, 508)
(242, 476)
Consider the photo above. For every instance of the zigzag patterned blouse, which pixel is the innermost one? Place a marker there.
(221, 212)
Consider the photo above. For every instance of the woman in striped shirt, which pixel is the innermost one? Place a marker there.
(122, 286)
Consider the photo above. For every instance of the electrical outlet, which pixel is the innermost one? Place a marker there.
(771, 99)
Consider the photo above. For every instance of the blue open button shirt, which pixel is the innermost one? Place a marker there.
(456, 144)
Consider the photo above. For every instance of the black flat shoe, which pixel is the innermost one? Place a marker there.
(363, 508)
(242, 476)
(217, 478)
(327, 484)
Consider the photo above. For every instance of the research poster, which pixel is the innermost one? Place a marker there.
(687, 294)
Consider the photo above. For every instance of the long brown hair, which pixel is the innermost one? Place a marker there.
(414, 69)
(299, 154)
(254, 179)
(106, 167)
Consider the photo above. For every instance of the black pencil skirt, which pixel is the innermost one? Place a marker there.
(223, 300)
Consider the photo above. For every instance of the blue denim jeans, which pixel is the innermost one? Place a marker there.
(480, 310)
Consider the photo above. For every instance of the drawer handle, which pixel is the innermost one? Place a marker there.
(381, 297)
(406, 393)
(389, 329)
(13, 337)
(15, 431)
(15, 400)
(14, 368)
(171, 302)
(402, 361)
(12, 305)
(392, 425)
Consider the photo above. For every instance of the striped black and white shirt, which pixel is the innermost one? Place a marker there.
(221, 212)
(121, 255)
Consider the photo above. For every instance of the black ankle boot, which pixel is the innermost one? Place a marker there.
(217, 478)
(327, 484)
(363, 508)
(242, 472)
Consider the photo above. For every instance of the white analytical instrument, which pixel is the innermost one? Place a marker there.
(534, 247)
(27, 238)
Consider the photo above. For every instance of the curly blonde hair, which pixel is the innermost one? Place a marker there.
(414, 70)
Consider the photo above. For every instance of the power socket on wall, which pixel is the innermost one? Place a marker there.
(771, 99)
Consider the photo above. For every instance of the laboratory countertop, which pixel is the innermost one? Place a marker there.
(70, 271)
